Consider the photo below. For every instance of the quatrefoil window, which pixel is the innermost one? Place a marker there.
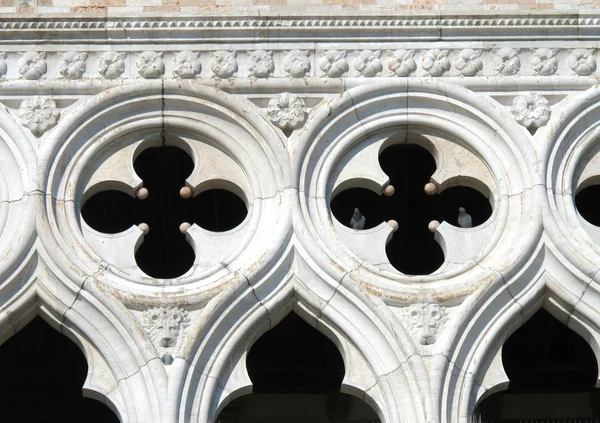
(408, 167)
(162, 212)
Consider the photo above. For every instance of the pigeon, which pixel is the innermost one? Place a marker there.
(358, 220)
(464, 219)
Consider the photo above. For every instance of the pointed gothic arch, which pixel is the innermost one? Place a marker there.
(372, 356)
(298, 372)
(478, 340)
(43, 373)
(552, 371)
(121, 370)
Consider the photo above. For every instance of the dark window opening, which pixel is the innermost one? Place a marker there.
(412, 249)
(552, 372)
(587, 202)
(165, 252)
(296, 373)
(294, 357)
(42, 375)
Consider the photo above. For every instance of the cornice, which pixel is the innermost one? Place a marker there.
(254, 28)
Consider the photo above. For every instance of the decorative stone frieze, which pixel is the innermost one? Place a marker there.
(71, 64)
(544, 61)
(333, 63)
(402, 62)
(468, 62)
(504, 63)
(187, 64)
(368, 64)
(507, 62)
(435, 62)
(32, 65)
(260, 64)
(223, 64)
(150, 64)
(297, 63)
(582, 61)
(111, 64)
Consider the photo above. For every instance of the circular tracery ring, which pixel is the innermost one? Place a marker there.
(201, 119)
(365, 116)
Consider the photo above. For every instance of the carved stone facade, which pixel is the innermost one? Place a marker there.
(287, 113)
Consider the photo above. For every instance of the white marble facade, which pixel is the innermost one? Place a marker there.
(290, 109)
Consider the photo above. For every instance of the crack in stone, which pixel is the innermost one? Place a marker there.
(81, 288)
(337, 288)
(587, 286)
(356, 113)
(138, 370)
(25, 196)
(258, 299)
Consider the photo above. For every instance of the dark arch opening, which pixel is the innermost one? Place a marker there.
(552, 372)
(165, 252)
(42, 375)
(296, 373)
(587, 202)
(412, 249)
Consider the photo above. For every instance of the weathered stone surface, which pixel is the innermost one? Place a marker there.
(505, 104)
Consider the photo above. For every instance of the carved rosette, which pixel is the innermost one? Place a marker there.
(507, 62)
(111, 64)
(223, 63)
(150, 64)
(165, 327)
(187, 64)
(71, 64)
(424, 322)
(333, 63)
(287, 111)
(435, 62)
(297, 63)
(544, 61)
(531, 110)
(32, 65)
(582, 61)
(38, 114)
(468, 62)
(3, 66)
(260, 64)
(368, 64)
(402, 62)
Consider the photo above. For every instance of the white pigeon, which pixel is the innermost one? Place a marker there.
(358, 220)
(464, 219)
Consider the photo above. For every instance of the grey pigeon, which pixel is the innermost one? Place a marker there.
(358, 220)
(464, 219)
